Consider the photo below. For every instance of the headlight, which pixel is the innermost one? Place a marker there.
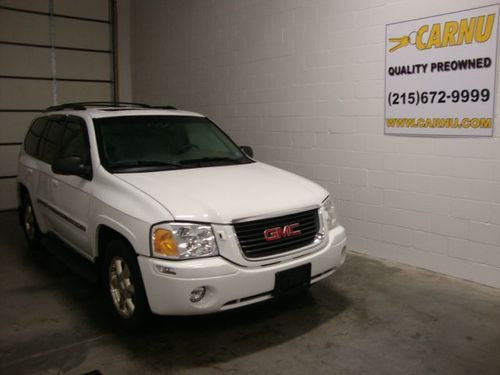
(330, 214)
(183, 241)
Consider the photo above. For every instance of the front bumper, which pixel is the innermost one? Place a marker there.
(228, 285)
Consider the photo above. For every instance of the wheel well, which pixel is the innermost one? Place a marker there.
(106, 234)
(22, 194)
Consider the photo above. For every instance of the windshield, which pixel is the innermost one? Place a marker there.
(151, 143)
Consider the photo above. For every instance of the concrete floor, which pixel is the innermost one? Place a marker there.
(370, 318)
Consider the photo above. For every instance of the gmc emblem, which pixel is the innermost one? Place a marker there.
(277, 233)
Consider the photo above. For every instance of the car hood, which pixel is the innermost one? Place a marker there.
(223, 194)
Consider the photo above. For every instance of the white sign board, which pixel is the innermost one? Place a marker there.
(440, 74)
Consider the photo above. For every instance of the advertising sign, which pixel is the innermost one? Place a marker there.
(440, 74)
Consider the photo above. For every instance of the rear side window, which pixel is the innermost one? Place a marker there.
(51, 140)
(75, 142)
(32, 140)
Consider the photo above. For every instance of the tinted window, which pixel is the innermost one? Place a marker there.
(32, 139)
(75, 142)
(154, 142)
(51, 140)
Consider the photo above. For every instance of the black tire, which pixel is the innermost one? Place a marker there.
(30, 224)
(123, 285)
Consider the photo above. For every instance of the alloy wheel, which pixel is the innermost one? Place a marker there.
(121, 287)
(29, 222)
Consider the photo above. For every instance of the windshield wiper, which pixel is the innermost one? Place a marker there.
(154, 163)
(214, 159)
(140, 164)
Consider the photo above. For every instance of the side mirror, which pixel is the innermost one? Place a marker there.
(247, 150)
(72, 166)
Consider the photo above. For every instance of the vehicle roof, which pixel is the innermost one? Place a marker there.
(98, 109)
(101, 112)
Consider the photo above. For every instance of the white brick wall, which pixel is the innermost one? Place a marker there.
(302, 82)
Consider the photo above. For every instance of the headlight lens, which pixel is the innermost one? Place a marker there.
(330, 213)
(183, 241)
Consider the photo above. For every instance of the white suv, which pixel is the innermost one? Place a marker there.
(177, 218)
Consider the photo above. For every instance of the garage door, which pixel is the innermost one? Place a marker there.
(51, 52)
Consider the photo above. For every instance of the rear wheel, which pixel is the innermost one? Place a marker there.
(123, 284)
(30, 225)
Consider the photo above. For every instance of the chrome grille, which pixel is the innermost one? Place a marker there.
(254, 245)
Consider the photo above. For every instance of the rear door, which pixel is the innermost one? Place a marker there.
(29, 166)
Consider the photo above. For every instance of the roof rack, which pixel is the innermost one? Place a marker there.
(80, 106)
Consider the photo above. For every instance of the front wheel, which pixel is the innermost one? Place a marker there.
(123, 283)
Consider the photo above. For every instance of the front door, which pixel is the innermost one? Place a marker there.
(69, 197)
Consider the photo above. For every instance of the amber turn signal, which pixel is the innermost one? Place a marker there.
(164, 243)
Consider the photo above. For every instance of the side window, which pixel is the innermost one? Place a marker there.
(75, 141)
(51, 140)
(32, 140)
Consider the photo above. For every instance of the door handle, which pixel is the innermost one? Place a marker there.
(54, 183)
(29, 171)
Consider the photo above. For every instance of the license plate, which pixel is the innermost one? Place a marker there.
(292, 280)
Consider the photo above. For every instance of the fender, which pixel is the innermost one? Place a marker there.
(120, 227)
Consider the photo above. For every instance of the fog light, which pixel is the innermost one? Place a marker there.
(198, 294)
